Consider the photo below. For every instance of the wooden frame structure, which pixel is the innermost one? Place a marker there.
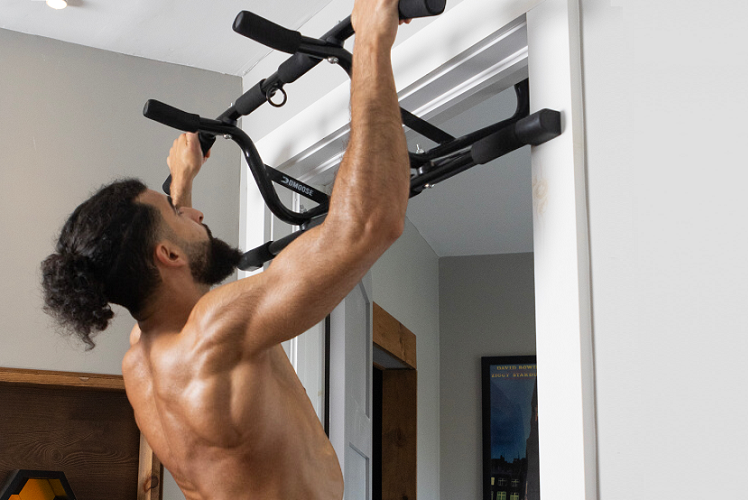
(92, 393)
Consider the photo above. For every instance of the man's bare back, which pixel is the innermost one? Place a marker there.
(266, 443)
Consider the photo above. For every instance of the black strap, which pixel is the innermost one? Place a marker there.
(424, 128)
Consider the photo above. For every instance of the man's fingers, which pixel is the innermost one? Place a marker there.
(191, 140)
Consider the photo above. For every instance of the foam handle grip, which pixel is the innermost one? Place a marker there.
(250, 100)
(296, 66)
(166, 186)
(495, 145)
(266, 32)
(410, 9)
(255, 258)
(537, 128)
(171, 116)
(206, 141)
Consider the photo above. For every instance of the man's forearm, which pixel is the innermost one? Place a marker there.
(181, 192)
(373, 179)
(185, 160)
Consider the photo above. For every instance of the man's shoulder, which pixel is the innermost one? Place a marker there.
(133, 357)
(149, 359)
(136, 374)
(229, 293)
(226, 313)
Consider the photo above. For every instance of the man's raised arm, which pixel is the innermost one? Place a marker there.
(367, 208)
(185, 160)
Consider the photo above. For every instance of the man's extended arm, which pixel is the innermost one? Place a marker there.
(185, 159)
(367, 209)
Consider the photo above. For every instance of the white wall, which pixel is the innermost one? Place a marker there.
(406, 285)
(665, 102)
(486, 308)
(70, 121)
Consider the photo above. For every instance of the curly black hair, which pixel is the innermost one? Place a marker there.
(104, 255)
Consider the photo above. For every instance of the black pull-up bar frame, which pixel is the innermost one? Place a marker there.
(450, 157)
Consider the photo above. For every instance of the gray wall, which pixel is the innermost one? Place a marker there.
(406, 284)
(486, 308)
(70, 121)
(665, 100)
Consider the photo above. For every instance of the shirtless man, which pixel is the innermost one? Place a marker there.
(213, 392)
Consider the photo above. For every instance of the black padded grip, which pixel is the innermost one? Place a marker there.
(206, 142)
(410, 9)
(171, 116)
(255, 258)
(295, 66)
(535, 129)
(539, 127)
(250, 100)
(266, 32)
(495, 145)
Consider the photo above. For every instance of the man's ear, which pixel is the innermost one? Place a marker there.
(170, 255)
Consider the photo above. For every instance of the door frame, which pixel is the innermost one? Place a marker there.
(566, 383)
(350, 409)
(399, 411)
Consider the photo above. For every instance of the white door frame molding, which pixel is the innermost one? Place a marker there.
(566, 379)
(351, 388)
(309, 145)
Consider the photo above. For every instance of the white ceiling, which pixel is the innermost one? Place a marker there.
(194, 33)
(486, 210)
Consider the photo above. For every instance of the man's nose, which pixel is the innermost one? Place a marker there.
(194, 214)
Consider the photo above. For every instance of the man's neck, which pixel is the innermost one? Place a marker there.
(170, 309)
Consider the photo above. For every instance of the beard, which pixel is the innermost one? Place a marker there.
(212, 261)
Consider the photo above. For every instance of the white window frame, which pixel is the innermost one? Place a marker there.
(561, 246)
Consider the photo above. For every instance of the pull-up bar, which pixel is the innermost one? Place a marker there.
(450, 157)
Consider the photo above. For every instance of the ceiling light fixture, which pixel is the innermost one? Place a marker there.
(57, 4)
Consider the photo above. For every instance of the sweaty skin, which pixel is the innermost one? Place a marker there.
(213, 392)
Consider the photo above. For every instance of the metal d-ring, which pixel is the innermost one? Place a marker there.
(271, 92)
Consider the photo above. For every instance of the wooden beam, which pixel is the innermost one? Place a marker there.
(62, 379)
(150, 473)
(393, 337)
(399, 434)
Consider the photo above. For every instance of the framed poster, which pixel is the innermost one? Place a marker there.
(510, 428)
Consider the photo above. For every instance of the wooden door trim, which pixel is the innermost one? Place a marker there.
(392, 336)
(399, 408)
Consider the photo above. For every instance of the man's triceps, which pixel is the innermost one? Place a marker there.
(304, 283)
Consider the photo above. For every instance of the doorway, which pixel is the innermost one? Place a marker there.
(310, 144)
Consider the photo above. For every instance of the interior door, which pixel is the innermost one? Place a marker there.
(306, 351)
(351, 367)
